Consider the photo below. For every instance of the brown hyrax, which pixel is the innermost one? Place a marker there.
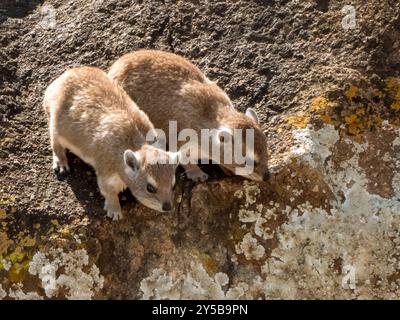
(170, 88)
(97, 121)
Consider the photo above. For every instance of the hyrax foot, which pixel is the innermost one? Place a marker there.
(60, 166)
(196, 174)
(113, 213)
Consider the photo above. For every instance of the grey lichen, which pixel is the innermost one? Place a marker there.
(344, 245)
(250, 248)
(3, 293)
(196, 283)
(77, 279)
(316, 248)
(314, 145)
(16, 292)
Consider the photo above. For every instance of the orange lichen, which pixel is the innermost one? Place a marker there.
(299, 120)
(359, 121)
(319, 104)
(5, 242)
(393, 89)
(396, 105)
(18, 272)
(321, 107)
(17, 256)
(7, 200)
(354, 124)
(326, 118)
(28, 242)
(17, 253)
(393, 86)
(358, 117)
(352, 92)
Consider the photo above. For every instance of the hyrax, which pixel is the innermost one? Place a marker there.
(97, 121)
(169, 87)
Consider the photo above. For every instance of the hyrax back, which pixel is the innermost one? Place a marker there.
(168, 87)
(96, 120)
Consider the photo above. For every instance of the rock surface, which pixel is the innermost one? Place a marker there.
(328, 91)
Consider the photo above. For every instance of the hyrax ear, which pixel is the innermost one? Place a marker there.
(252, 115)
(132, 159)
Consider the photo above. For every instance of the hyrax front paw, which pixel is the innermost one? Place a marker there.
(114, 213)
(60, 166)
(197, 175)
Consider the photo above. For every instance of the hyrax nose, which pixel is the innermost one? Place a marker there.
(266, 176)
(167, 206)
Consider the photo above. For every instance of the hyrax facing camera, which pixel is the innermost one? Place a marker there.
(96, 120)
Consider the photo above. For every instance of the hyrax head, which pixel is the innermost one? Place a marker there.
(241, 137)
(248, 156)
(150, 175)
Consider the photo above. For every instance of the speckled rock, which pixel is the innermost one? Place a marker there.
(327, 88)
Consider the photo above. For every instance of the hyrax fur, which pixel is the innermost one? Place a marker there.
(96, 120)
(169, 87)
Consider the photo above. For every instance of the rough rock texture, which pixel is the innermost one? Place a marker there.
(328, 91)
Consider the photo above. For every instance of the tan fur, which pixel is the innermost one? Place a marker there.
(169, 87)
(95, 119)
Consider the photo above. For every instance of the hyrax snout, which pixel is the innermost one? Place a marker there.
(170, 88)
(95, 119)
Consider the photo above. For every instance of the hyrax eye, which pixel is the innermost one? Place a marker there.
(150, 188)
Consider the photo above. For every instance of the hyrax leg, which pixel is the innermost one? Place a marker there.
(60, 161)
(110, 193)
(193, 172)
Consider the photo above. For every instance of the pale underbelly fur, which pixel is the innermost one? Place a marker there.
(75, 150)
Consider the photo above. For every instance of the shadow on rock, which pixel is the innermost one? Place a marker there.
(17, 9)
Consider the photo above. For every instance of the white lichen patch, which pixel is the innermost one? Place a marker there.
(17, 293)
(6, 264)
(340, 241)
(250, 191)
(246, 215)
(396, 141)
(160, 285)
(238, 194)
(396, 185)
(314, 145)
(221, 278)
(3, 293)
(250, 247)
(261, 226)
(196, 283)
(67, 271)
(257, 213)
(349, 252)
(262, 229)
(309, 245)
